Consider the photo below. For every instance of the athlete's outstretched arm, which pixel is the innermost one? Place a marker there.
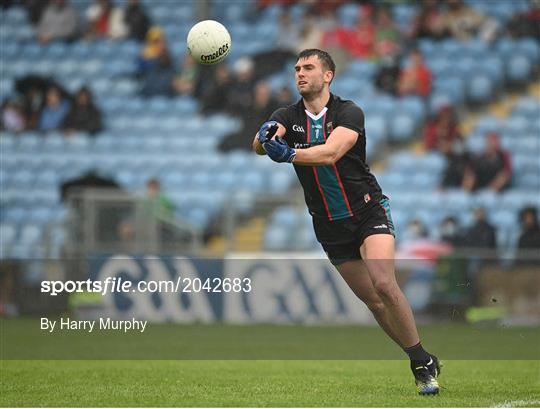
(338, 143)
(256, 145)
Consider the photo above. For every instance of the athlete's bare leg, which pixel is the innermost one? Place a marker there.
(357, 277)
(377, 252)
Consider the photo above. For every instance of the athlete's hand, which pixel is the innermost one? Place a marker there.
(279, 151)
(267, 131)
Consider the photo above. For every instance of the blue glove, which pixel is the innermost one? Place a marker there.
(267, 131)
(279, 151)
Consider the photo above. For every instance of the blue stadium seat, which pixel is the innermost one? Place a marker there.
(280, 181)
(305, 239)
(30, 235)
(493, 67)
(402, 127)
(518, 68)
(504, 218)
(23, 178)
(488, 124)
(480, 88)
(392, 180)
(404, 161)
(456, 200)
(437, 100)
(529, 180)
(276, 238)
(453, 87)
(48, 178)
(348, 14)
(362, 69)
(286, 216)
(530, 47)
(376, 127)
(8, 236)
(15, 215)
(516, 126)
(413, 106)
(15, 16)
(58, 50)
(252, 181)
(30, 142)
(528, 107)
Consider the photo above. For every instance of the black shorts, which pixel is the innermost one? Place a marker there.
(341, 239)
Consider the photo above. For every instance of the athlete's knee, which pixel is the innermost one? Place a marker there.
(387, 289)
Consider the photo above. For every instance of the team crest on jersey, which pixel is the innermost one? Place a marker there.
(329, 128)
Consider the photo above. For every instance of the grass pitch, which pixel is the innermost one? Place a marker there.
(274, 382)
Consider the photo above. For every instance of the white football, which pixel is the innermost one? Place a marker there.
(209, 42)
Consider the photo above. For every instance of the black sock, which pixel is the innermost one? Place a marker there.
(417, 353)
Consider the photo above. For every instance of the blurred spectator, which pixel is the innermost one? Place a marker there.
(288, 33)
(155, 49)
(157, 202)
(54, 112)
(526, 23)
(136, 19)
(58, 22)
(415, 231)
(158, 80)
(530, 230)
(361, 40)
(481, 235)
(457, 161)
(215, 96)
(387, 35)
(83, 115)
(35, 9)
(240, 98)
(491, 169)
(284, 97)
(465, 23)
(386, 78)
(185, 81)
(310, 35)
(105, 21)
(450, 231)
(415, 79)
(442, 131)
(430, 22)
(262, 107)
(13, 119)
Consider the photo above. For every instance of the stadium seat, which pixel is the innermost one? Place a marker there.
(518, 68)
(480, 89)
(286, 216)
(375, 127)
(402, 127)
(528, 107)
(276, 238)
(348, 14)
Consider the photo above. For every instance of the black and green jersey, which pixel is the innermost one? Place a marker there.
(335, 191)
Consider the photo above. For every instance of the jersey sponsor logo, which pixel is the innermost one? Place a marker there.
(298, 128)
(298, 145)
(329, 128)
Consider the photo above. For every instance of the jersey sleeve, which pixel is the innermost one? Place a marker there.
(351, 117)
(281, 116)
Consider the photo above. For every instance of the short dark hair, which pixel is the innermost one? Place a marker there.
(327, 61)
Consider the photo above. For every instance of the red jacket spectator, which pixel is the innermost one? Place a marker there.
(361, 40)
(442, 131)
(415, 79)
